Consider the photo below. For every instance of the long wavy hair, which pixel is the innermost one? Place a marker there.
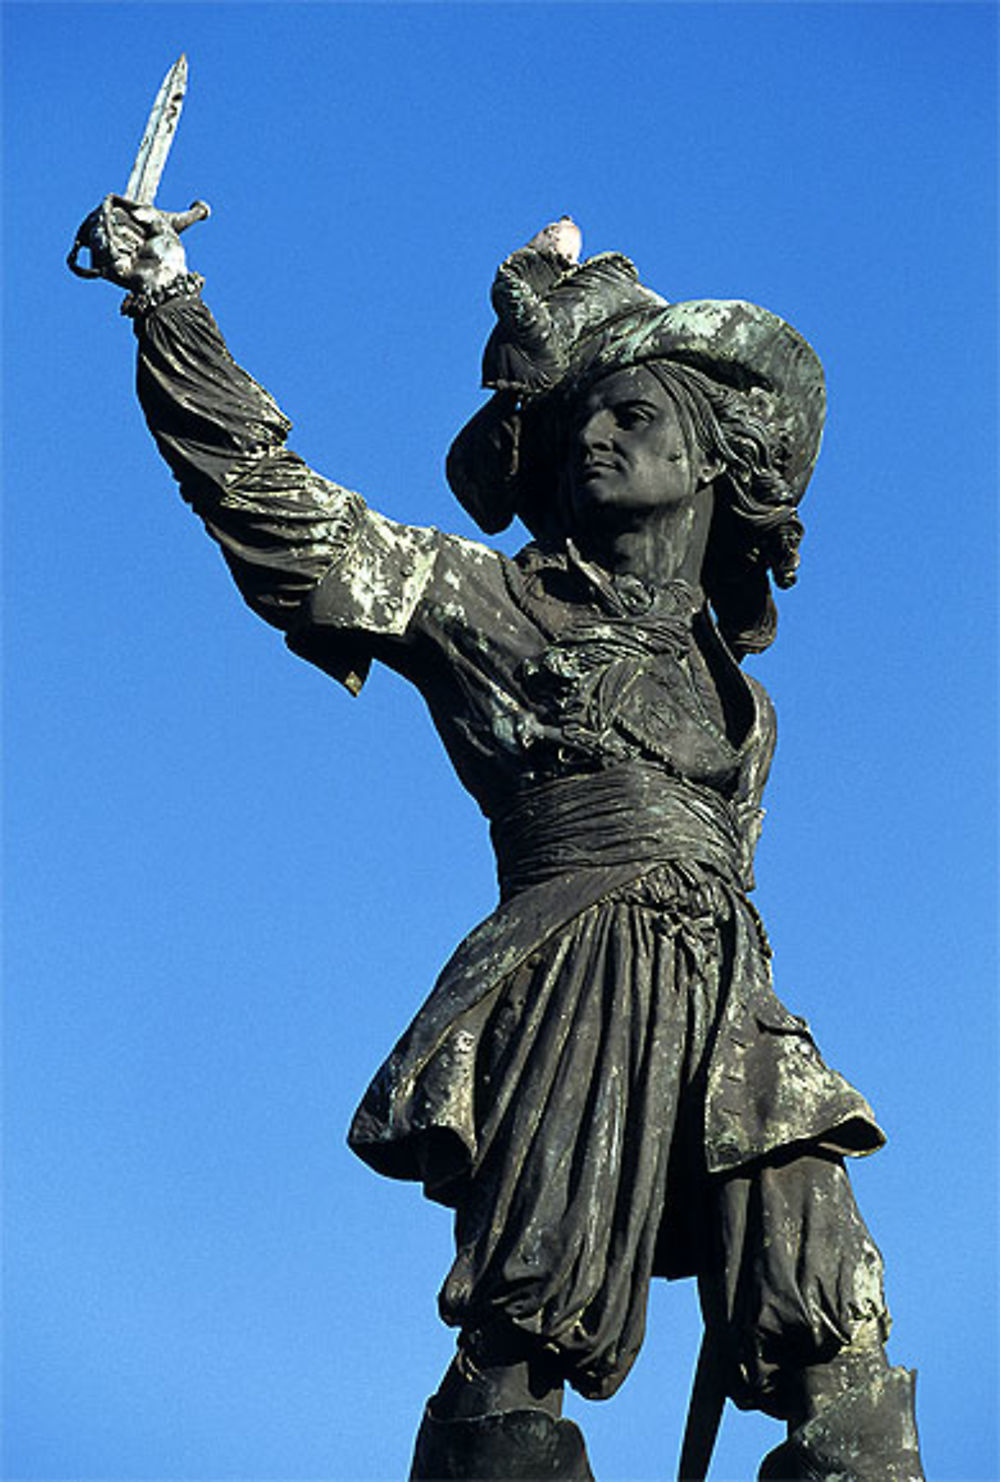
(756, 530)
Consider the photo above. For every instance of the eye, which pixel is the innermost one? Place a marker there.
(632, 414)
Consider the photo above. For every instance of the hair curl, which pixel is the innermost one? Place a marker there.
(756, 530)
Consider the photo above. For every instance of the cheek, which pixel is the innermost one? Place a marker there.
(679, 480)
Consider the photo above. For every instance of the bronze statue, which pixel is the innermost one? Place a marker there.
(603, 1084)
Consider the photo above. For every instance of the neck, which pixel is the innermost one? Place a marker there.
(662, 545)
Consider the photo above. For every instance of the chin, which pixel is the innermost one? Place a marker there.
(595, 494)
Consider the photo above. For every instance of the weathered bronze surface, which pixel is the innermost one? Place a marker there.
(108, 232)
(603, 1083)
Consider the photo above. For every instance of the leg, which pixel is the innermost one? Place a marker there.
(857, 1422)
(493, 1372)
(496, 1416)
(794, 1299)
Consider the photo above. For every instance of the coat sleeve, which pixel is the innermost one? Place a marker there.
(340, 581)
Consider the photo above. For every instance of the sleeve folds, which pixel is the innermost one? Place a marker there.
(307, 555)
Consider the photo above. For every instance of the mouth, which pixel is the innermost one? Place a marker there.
(596, 469)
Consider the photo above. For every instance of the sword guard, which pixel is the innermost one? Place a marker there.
(181, 220)
(95, 231)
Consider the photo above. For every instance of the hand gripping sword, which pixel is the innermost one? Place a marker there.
(95, 231)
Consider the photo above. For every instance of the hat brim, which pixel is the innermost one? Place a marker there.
(734, 342)
(553, 339)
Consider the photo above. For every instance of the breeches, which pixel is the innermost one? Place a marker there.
(791, 1276)
(589, 1176)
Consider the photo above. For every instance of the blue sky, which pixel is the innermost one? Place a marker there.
(229, 885)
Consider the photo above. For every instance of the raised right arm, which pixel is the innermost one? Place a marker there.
(280, 525)
(341, 581)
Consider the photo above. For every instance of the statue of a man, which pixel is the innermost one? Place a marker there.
(603, 1084)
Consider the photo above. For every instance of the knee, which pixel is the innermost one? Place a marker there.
(494, 1372)
(853, 1368)
(792, 1374)
(798, 1384)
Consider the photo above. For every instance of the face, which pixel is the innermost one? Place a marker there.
(629, 451)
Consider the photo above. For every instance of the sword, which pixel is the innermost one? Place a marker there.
(95, 231)
(161, 126)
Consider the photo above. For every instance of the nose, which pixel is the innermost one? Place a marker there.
(595, 433)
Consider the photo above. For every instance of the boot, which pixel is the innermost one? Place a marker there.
(867, 1434)
(510, 1446)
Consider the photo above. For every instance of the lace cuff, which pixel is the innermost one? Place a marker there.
(136, 304)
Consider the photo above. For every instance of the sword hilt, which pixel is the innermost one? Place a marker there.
(181, 220)
(84, 238)
(94, 233)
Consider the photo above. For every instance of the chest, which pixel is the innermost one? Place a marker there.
(549, 681)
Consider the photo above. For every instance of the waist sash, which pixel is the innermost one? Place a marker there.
(560, 849)
(634, 814)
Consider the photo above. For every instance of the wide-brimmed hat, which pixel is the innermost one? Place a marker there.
(561, 324)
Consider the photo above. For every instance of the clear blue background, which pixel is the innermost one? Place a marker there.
(230, 884)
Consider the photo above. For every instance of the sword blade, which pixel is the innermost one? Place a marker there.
(156, 141)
